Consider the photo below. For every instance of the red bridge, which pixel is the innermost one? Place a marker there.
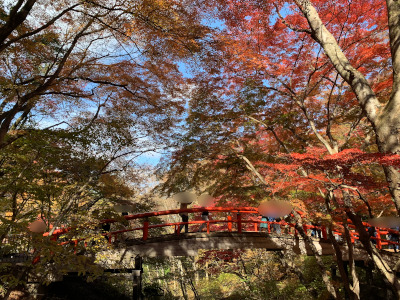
(231, 228)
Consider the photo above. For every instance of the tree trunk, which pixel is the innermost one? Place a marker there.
(387, 131)
(384, 118)
(380, 264)
(359, 84)
(192, 286)
(340, 264)
(196, 273)
(393, 178)
(355, 287)
(159, 275)
(206, 271)
(182, 280)
(325, 276)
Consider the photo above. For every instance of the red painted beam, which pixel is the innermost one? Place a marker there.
(248, 210)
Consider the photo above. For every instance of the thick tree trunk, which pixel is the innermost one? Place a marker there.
(359, 84)
(393, 179)
(388, 139)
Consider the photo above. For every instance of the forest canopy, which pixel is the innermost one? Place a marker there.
(248, 101)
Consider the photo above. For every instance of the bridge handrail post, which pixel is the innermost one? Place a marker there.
(208, 227)
(239, 222)
(255, 227)
(145, 229)
(75, 245)
(269, 227)
(378, 240)
(229, 223)
(36, 259)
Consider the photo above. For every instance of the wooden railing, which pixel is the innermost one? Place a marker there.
(240, 218)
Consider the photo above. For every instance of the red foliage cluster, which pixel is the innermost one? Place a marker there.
(344, 159)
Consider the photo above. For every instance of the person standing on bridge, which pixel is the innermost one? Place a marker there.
(204, 217)
(184, 198)
(264, 225)
(394, 237)
(185, 218)
(275, 227)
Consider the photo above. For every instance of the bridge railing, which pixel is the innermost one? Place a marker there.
(235, 220)
(239, 224)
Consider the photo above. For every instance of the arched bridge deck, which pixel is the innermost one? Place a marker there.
(238, 230)
(190, 243)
